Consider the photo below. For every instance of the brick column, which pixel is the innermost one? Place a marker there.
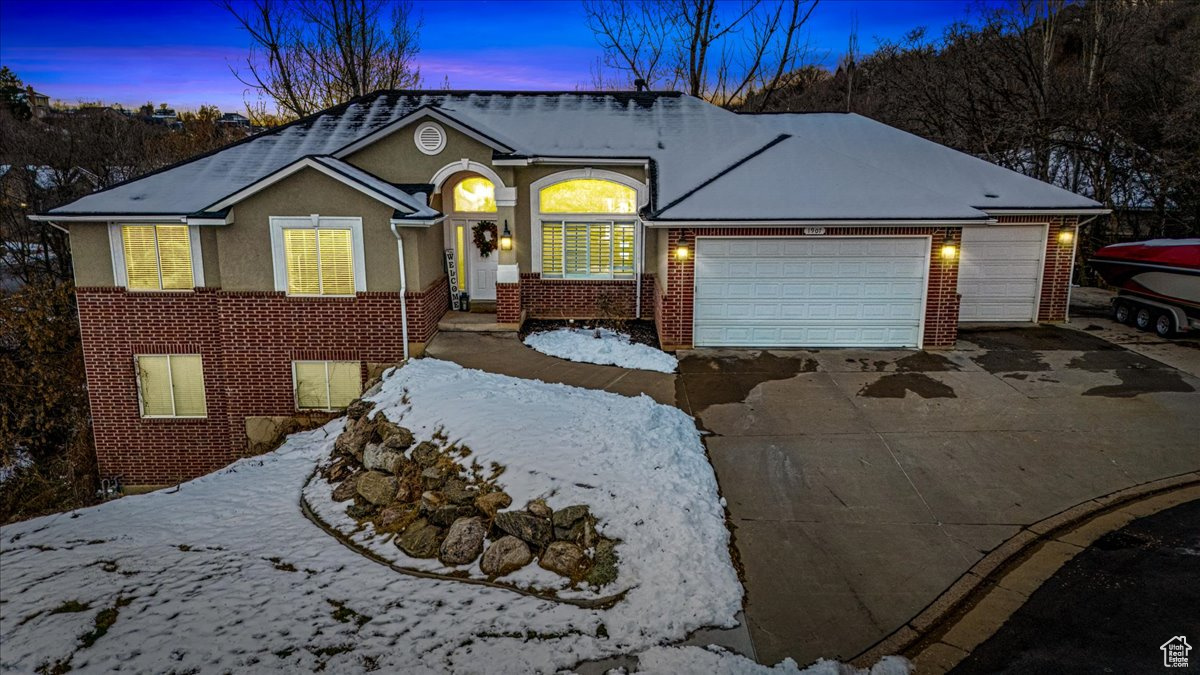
(1056, 274)
(508, 303)
(942, 298)
(674, 308)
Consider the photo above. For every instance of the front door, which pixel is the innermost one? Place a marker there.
(478, 272)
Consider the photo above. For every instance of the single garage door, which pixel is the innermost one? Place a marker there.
(810, 292)
(1000, 272)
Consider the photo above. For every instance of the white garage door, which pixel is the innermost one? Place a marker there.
(810, 292)
(1000, 272)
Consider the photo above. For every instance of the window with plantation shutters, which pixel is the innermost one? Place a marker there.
(157, 257)
(587, 250)
(326, 385)
(170, 385)
(319, 261)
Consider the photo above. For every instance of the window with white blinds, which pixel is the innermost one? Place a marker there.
(170, 385)
(157, 257)
(319, 261)
(326, 385)
(597, 250)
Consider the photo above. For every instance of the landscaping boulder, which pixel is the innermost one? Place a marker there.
(358, 408)
(445, 515)
(420, 539)
(565, 559)
(425, 454)
(376, 457)
(361, 509)
(434, 477)
(456, 491)
(525, 526)
(395, 517)
(464, 541)
(539, 508)
(567, 517)
(604, 565)
(432, 500)
(582, 532)
(395, 437)
(492, 502)
(347, 489)
(507, 554)
(377, 487)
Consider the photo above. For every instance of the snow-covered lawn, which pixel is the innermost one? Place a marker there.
(609, 349)
(226, 574)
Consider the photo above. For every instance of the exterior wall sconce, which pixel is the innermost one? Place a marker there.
(1066, 237)
(950, 247)
(681, 252)
(506, 238)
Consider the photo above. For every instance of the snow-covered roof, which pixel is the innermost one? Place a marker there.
(695, 147)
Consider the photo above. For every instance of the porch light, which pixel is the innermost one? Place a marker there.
(506, 238)
(949, 251)
(1066, 237)
(681, 252)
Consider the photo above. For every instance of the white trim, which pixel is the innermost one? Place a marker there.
(298, 165)
(658, 224)
(206, 221)
(108, 218)
(1098, 211)
(353, 223)
(924, 295)
(441, 132)
(116, 247)
(426, 222)
(392, 127)
(569, 161)
(505, 196)
(535, 214)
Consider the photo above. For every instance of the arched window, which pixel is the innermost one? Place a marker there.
(588, 195)
(475, 195)
(597, 241)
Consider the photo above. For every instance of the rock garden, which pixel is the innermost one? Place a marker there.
(434, 501)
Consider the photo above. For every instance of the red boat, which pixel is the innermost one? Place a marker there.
(1158, 283)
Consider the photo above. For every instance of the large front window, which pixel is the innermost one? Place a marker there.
(593, 241)
(318, 255)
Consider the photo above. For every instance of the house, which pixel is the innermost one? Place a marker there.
(234, 120)
(222, 295)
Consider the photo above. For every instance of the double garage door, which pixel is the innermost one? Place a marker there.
(810, 291)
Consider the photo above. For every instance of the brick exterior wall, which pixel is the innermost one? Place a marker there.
(676, 304)
(247, 341)
(581, 298)
(1056, 273)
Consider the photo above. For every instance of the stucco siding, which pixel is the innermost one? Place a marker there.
(244, 248)
(209, 254)
(396, 159)
(91, 255)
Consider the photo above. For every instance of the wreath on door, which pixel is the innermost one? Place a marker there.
(485, 234)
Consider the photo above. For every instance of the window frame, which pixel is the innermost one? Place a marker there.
(116, 243)
(538, 219)
(328, 389)
(317, 222)
(137, 377)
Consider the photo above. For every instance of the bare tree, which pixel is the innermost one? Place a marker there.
(718, 51)
(308, 55)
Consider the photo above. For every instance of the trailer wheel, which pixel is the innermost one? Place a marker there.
(1164, 325)
(1122, 312)
(1143, 319)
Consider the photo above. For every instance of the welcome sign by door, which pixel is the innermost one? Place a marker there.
(452, 272)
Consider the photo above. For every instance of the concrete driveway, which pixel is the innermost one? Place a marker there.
(862, 483)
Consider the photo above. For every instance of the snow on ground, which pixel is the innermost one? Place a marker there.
(226, 574)
(714, 660)
(638, 465)
(610, 349)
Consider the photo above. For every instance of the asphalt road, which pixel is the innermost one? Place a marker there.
(1111, 608)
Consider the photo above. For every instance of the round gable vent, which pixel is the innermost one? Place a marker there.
(430, 138)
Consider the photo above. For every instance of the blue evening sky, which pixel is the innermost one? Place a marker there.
(180, 51)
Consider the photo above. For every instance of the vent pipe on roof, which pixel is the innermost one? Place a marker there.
(640, 84)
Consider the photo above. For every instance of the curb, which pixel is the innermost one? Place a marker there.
(980, 601)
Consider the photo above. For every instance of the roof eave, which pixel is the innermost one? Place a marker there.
(802, 222)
